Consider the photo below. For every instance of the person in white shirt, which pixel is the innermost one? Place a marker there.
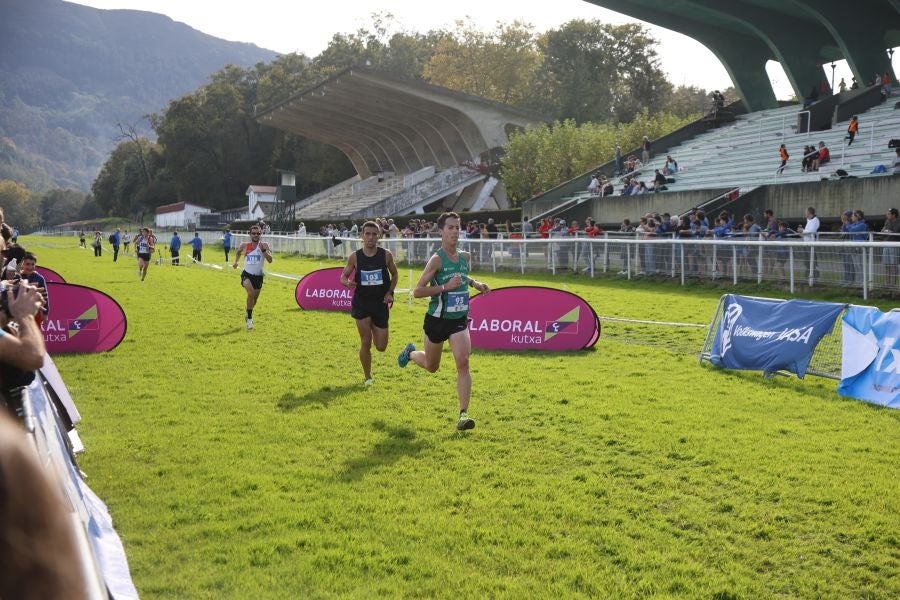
(895, 165)
(810, 233)
(254, 251)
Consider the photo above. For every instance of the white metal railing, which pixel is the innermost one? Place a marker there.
(783, 123)
(857, 266)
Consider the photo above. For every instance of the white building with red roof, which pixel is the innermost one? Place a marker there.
(180, 214)
(260, 200)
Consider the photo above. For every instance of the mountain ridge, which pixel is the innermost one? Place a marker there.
(69, 73)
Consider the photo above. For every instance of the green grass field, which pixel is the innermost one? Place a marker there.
(256, 465)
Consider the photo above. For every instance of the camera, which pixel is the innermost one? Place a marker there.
(7, 287)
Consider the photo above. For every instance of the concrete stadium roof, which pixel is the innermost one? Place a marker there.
(802, 35)
(384, 123)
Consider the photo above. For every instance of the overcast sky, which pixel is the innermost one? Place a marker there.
(285, 26)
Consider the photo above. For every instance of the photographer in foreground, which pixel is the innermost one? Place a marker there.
(24, 347)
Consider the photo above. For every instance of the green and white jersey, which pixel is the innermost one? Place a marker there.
(451, 304)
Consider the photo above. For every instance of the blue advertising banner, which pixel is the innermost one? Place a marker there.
(870, 362)
(760, 334)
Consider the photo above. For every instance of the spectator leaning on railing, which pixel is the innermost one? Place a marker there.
(782, 253)
(889, 256)
(771, 222)
(854, 227)
(527, 227)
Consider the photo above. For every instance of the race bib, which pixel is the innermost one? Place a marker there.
(253, 258)
(458, 301)
(371, 277)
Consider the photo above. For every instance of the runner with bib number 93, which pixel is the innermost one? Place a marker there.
(446, 280)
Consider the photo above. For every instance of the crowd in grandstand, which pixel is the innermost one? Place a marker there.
(631, 185)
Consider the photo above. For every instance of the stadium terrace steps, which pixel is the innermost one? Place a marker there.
(745, 153)
(351, 200)
(344, 201)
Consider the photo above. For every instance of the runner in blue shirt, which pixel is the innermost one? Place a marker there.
(116, 242)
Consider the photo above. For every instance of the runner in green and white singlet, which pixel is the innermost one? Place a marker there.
(445, 280)
(454, 303)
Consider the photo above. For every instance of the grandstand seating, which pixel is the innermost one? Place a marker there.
(402, 192)
(345, 201)
(745, 153)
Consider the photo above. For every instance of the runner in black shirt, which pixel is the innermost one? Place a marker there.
(374, 279)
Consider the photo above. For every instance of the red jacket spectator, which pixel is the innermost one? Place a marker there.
(593, 230)
(545, 227)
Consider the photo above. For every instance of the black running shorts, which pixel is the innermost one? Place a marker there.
(144, 256)
(378, 310)
(439, 330)
(255, 280)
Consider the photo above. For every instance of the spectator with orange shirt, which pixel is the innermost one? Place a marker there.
(783, 153)
(852, 128)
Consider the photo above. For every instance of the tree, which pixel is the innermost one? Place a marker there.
(129, 132)
(386, 48)
(20, 207)
(594, 71)
(61, 206)
(501, 65)
(541, 158)
(121, 187)
(687, 101)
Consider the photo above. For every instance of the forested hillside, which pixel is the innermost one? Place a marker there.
(70, 73)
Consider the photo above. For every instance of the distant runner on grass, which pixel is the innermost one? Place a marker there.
(446, 280)
(144, 244)
(373, 283)
(252, 276)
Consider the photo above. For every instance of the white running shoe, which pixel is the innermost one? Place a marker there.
(369, 381)
(249, 324)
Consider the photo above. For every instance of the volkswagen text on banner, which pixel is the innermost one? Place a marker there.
(532, 318)
(761, 334)
(870, 363)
